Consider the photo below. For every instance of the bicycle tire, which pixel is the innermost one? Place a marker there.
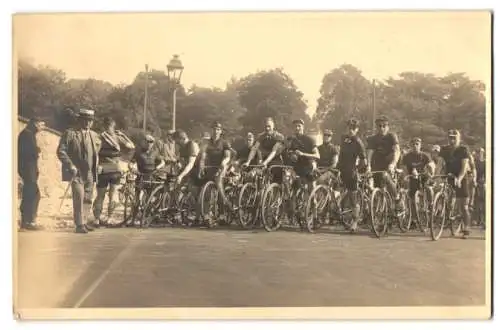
(439, 215)
(405, 220)
(314, 208)
(269, 224)
(151, 207)
(209, 212)
(379, 229)
(248, 199)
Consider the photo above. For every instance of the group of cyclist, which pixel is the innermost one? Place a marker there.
(214, 157)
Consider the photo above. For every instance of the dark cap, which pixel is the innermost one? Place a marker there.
(149, 138)
(382, 119)
(416, 140)
(453, 132)
(353, 122)
(171, 132)
(327, 132)
(217, 124)
(298, 121)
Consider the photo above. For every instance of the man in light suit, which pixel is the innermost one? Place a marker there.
(78, 152)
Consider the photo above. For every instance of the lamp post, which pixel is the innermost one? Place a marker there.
(146, 75)
(174, 72)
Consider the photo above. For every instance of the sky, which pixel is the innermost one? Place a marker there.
(214, 47)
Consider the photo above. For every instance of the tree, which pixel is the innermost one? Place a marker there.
(270, 94)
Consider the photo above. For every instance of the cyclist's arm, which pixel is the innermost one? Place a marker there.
(313, 155)
(192, 160)
(203, 157)
(226, 159)
(253, 151)
(396, 155)
(472, 165)
(276, 149)
(369, 155)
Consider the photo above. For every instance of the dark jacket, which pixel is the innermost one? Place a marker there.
(70, 152)
(27, 155)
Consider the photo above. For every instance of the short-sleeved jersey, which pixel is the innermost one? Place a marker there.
(268, 141)
(188, 150)
(215, 151)
(147, 160)
(416, 160)
(327, 152)
(453, 158)
(351, 148)
(302, 143)
(383, 147)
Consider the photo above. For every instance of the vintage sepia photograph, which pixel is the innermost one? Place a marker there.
(252, 165)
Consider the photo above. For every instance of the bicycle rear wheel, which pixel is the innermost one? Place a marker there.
(438, 218)
(272, 207)
(423, 208)
(379, 211)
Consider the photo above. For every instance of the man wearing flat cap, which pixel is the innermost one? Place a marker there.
(78, 152)
(27, 168)
(456, 162)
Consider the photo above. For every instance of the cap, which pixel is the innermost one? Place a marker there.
(436, 148)
(327, 132)
(250, 135)
(298, 121)
(150, 138)
(416, 139)
(85, 114)
(382, 119)
(216, 124)
(453, 132)
(353, 122)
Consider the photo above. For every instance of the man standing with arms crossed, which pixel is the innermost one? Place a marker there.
(78, 152)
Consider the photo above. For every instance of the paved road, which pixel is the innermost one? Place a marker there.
(231, 268)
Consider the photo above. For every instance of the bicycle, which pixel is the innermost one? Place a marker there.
(250, 196)
(143, 190)
(422, 202)
(171, 202)
(210, 206)
(479, 204)
(272, 206)
(444, 209)
(383, 209)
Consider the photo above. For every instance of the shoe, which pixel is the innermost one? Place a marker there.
(31, 226)
(465, 233)
(81, 230)
(89, 227)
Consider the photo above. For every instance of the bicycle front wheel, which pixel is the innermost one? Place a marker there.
(209, 208)
(317, 208)
(272, 207)
(438, 217)
(378, 212)
(151, 212)
(247, 204)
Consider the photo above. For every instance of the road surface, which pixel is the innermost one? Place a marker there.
(176, 267)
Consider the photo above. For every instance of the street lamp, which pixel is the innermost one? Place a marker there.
(174, 72)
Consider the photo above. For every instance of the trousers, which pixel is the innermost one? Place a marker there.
(82, 190)
(29, 202)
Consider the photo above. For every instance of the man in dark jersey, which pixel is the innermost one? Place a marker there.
(215, 157)
(417, 162)
(328, 152)
(148, 161)
(188, 154)
(481, 166)
(302, 151)
(383, 153)
(456, 158)
(352, 150)
(270, 143)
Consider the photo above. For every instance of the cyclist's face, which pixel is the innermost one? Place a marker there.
(299, 128)
(416, 146)
(269, 126)
(250, 141)
(482, 153)
(454, 140)
(382, 128)
(86, 123)
(327, 138)
(217, 131)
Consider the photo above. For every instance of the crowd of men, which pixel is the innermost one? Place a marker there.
(90, 159)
